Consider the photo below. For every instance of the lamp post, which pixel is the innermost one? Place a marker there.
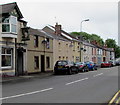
(81, 24)
(81, 31)
(44, 42)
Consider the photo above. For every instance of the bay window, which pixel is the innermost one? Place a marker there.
(9, 24)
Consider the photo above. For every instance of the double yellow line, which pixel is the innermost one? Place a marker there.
(114, 98)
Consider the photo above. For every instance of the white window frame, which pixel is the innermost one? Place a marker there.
(7, 67)
(10, 23)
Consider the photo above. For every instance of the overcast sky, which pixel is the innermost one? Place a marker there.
(103, 15)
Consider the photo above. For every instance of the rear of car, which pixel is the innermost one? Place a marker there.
(64, 66)
(106, 64)
(82, 67)
(91, 65)
(117, 62)
(113, 62)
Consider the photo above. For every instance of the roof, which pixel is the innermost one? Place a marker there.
(38, 32)
(67, 35)
(7, 8)
(109, 49)
(51, 32)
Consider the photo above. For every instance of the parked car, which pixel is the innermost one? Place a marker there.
(65, 66)
(106, 64)
(82, 67)
(91, 65)
(117, 62)
(113, 62)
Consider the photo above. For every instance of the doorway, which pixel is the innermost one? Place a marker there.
(20, 70)
(42, 63)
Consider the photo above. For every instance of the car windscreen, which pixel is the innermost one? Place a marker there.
(59, 63)
(79, 63)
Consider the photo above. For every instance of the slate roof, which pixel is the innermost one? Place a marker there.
(7, 8)
(38, 32)
(52, 33)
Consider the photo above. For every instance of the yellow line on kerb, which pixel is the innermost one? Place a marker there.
(118, 101)
(115, 96)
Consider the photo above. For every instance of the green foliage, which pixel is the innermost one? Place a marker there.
(111, 43)
(90, 37)
(117, 52)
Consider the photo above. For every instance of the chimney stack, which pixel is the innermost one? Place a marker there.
(57, 29)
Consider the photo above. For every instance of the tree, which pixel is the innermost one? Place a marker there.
(117, 52)
(90, 37)
(111, 43)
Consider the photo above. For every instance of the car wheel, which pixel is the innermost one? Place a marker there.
(93, 69)
(70, 71)
(83, 70)
(55, 72)
(77, 70)
(86, 69)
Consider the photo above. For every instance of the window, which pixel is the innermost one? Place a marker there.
(59, 57)
(36, 62)
(92, 51)
(9, 24)
(48, 43)
(35, 41)
(47, 62)
(6, 58)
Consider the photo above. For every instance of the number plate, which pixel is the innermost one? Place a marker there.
(59, 67)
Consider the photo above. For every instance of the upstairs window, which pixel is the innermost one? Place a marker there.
(48, 43)
(9, 24)
(35, 41)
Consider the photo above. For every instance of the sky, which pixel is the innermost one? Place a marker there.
(102, 15)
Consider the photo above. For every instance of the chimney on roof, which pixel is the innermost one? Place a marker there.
(57, 29)
(105, 46)
(94, 42)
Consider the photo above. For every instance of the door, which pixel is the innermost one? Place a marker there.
(19, 62)
(42, 63)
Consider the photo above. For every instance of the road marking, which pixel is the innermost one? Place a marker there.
(115, 96)
(118, 101)
(19, 95)
(97, 75)
(76, 81)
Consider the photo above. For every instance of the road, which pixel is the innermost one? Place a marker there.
(89, 87)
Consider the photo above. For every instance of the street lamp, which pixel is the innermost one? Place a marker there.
(81, 24)
(81, 31)
(44, 42)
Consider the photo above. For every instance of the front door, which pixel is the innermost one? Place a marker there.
(42, 63)
(19, 62)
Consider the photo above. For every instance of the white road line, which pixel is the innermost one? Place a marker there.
(76, 81)
(19, 95)
(97, 75)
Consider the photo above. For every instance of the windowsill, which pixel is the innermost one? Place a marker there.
(9, 33)
(35, 46)
(36, 68)
(6, 68)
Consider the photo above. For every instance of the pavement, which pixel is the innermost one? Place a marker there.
(25, 77)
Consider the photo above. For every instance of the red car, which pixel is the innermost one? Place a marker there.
(106, 64)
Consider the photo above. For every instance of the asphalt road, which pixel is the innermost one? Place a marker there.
(89, 87)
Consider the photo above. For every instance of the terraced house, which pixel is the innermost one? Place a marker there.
(27, 50)
(12, 48)
(39, 51)
(65, 47)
